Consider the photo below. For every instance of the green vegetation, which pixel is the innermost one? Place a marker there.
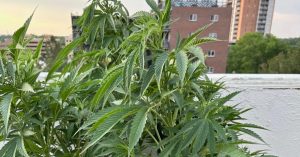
(255, 53)
(107, 102)
(253, 50)
(53, 46)
(284, 63)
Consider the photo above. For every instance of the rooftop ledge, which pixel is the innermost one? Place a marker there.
(263, 81)
(255, 81)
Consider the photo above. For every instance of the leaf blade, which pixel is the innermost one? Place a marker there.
(181, 65)
(159, 65)
(5, 109)
(137, 127)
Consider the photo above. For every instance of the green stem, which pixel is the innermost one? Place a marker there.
(163, 120)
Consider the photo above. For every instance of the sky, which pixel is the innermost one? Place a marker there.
(54, 16)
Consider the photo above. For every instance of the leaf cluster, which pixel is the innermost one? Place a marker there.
(108, 102)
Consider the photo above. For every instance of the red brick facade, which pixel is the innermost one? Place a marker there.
(183, 26)
(248, 17)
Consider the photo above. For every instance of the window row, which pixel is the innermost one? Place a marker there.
(213, 18)
(211, 35)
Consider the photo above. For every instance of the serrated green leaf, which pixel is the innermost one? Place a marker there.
(62, 55)
(2, 70)
(247, 125)
(11, 71)
(99, 115)
(167, 11)
(198, 52)
(38, 50)
(223, 100)
(137, 127)
(181, 65)
(192, 68)
(147, 80)
(106, 123)
(201, 136)
(112, 22)
(168, 150)
(231, 151)
(102, 23)
(219, 129)
(19, 35)
(178, 97)
(128, 70)
(9, 149)
(5, 109)
(153, 6)
(93, 29)
(211, 141)
(107, 83)
(21, 147)
(187, 41)
(251, 133)
(159, 65)
(201, 41)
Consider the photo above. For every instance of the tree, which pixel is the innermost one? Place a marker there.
(253, 50)
(292, 42)
(129, 109)
(286, 63)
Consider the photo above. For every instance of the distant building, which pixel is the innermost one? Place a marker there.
(68, 40)
(251, 16)
(190, 15)
(5, 43)
(34, 42)
(75, 26)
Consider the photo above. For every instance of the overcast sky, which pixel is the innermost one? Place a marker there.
(53, 16)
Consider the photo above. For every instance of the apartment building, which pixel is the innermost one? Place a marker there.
(190, 15)
(5, 43)
(33, 44)
(251, 16)
(75, 26)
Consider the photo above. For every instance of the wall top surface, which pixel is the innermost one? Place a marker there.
(263, 81)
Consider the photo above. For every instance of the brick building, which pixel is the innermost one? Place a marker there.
(189, 16)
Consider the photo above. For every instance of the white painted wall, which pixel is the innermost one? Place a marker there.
(275, 100)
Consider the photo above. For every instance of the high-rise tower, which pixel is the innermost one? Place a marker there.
(251, 16)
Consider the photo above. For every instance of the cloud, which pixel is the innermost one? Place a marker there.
(286, 25)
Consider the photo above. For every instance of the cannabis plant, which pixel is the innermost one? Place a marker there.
(108, 102)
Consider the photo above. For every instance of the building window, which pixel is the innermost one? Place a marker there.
(193, 17)
(211, 70)
(214, 18)
(213, 35)
(211, 53)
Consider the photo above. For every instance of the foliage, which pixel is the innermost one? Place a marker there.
(107, 102)
(284, 62)
(292, 42)
(54, 45)
(253, 50)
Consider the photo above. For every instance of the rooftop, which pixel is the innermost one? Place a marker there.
(200, 3)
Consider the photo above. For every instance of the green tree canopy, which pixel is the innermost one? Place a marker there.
(284, 63)
(252, 51)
